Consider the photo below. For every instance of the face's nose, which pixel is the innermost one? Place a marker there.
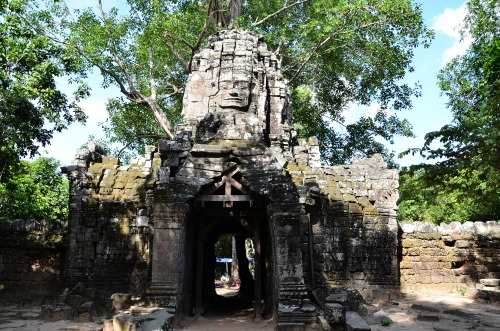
(234, 92)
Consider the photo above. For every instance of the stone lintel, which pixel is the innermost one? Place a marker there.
(210, 150)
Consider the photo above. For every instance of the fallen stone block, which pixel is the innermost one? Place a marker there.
(335, 313)
(121, 301)
(57, 312)
(323, 324)
(354, 322)
(83, 318)
(157, 320)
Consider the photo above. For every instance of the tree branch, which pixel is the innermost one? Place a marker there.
(152, 79)
(278, 11)
(117, 59)
(94, 63)
(187, 43)
(185, 64)
(329, 38)
(309, 58)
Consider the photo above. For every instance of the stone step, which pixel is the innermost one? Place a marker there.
(354, 322)
(490, 281)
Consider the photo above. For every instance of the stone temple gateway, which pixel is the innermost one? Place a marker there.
(321, 234)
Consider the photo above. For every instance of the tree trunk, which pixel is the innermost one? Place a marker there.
(161, 118)
(235, 7)
(235, 276)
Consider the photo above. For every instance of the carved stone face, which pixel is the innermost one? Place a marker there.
(234, 91)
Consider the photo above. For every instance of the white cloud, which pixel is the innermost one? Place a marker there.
(449, 23)
(459, 47)
(353, 113)
(95, 110)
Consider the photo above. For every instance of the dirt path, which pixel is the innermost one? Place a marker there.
(228, 314)
(411, 313)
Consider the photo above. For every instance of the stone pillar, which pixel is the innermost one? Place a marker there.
(295, 311)
(167, 261)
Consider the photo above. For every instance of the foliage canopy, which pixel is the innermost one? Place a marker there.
(468, 166)
(333, 52)
(36, 190)
(32, 108)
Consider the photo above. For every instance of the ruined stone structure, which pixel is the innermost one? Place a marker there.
(234, 168)
(32, 257)
(449, 257)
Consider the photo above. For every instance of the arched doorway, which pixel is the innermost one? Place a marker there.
(227, 208)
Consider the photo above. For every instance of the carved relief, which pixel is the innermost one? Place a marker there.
(236, 82)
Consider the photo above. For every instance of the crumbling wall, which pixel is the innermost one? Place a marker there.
(32, 255)
(448, 256)
(109, 225)
(353, 215)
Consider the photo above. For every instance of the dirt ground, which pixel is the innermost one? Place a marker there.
(451, 312)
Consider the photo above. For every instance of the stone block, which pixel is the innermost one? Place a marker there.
(407, 227)
(121, 301)
(142, 221)
(425, 227)
(210, 150)
(335, 313)
(159, 320)
(57, 312)
(107, 325)
(323, 323)
(462, 244)
(354, 322)
(173, 145)
(336, 295)
(490, 282)
(84, 317)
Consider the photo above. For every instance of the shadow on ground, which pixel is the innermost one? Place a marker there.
(229, 313)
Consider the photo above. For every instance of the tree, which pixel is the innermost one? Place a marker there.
(36, 190)
(425, 199)
(469, 158)
(344, 51)
(32, 108)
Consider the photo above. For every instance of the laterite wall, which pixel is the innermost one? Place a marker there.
(32, 256)
(449, 256)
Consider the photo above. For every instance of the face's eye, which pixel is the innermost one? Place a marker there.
(241, 84)
(224, 85)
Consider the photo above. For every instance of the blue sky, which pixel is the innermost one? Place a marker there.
(429, 112)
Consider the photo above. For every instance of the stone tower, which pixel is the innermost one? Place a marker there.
(236, 112)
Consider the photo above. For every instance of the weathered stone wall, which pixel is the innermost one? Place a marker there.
(32, 255)
(109, 225)
(448, 256)
(353, 215)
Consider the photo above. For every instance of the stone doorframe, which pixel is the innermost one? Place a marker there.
(287, 222)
